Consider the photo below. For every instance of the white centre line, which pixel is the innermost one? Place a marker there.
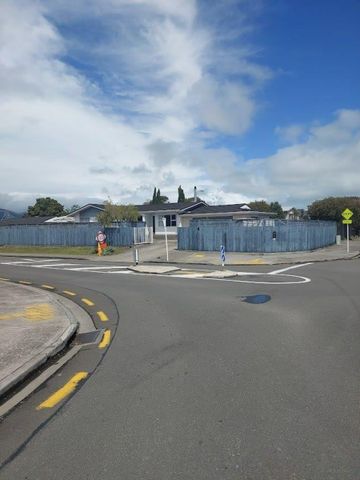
(275, 272)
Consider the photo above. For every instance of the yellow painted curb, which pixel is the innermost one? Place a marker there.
(103, 317)
(106, 339)
(88, 302)
(72, 294)
(63, 392)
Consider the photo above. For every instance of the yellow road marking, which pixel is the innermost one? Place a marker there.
(5, 279)
(103, 317)
(49, 287)
(35, 313)
(106, 339)
(25, 282)
(63, 392)
(88, 302)
(255, 261)
(72, 294)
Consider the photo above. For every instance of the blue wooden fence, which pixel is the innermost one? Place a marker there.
(64, 234)
(265, 237)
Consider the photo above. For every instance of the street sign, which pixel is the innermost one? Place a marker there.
(347, 213)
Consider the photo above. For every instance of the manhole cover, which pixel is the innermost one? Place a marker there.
(261, 298)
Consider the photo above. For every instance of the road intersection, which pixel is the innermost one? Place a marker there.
(198, 383)
(249, 276)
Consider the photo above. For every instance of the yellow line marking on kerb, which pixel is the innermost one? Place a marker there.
(63, 392)
(49, 287)
(106, 339)
(88, 302)
(103, 317)
(24, 282)
(72, 294)
(5, 279)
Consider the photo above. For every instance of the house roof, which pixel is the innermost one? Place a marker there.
(25, 221)
(99, 206)
(179, 207)
(221, 209)
(148, 207)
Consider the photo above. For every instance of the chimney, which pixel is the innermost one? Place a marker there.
(195, 195)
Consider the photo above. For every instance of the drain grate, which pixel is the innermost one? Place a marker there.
(89, 338)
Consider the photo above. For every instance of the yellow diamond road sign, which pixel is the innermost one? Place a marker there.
(347, 213)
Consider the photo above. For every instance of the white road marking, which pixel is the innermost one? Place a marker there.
(29, 261)
(275, 272)
(122, 269)
(54, 266)
(46, 260)
(96, 268)
(299, 278)
(118, 271)
(22, 262)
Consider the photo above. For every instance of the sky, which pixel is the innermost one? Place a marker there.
(246, 99)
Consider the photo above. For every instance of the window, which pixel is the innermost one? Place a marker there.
(170, 220)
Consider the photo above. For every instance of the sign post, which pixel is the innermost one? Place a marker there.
(222, 255)
(347, 214)
(166, 240)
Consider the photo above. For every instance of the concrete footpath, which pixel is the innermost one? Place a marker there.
(156, 253)
(34, 326)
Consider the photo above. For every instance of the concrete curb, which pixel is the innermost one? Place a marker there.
(153, 269)
(53, 346)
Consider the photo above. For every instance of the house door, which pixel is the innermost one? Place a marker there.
(154, 223)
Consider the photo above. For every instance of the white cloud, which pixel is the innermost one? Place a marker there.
(326, 163)
(291, 133)
(59, 125)
(155, 86)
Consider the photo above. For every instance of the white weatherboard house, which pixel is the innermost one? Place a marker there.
(176, 214)
(151, 214)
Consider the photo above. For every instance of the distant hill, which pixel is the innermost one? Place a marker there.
(7, 214)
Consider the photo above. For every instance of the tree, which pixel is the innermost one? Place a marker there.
(46, 207)
(113, 213)
(154, 196)
(330, 208)
(158, 198)
(277, 208)
(259, 206)
(181, 195)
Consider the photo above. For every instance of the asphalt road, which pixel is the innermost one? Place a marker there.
(198, 384)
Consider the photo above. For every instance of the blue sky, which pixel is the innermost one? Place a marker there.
(245, 99)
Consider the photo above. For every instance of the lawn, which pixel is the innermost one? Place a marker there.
(53, 250)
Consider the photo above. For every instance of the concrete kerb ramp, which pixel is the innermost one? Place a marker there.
(34, 326)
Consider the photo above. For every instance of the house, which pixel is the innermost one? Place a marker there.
(176, 214)
(88, 213)
(151, 214)
(237, 211)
